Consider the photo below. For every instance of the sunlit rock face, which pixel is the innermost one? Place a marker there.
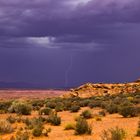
(101, 89)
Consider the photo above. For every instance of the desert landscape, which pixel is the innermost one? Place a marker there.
(69, 69)
(89, 112)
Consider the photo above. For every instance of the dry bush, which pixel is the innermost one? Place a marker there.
(37, 131)
(75, 108)
(102, 113)
(22, 136)
(114, 134)
(98, 118)
(32, 123)
(21, 108)
(54, 119)
(82, 127)
(46, 132)
(69, 126)
(127, 111)
(86, 114)
(45, 111)
(5, 127)
(138, 130)
(11, 119)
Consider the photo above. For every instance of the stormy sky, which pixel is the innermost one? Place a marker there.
(65, 43)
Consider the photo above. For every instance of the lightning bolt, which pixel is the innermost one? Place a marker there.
(68, 70)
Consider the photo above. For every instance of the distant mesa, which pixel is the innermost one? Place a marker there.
(101, 89)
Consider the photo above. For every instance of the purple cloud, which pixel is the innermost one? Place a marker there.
(50, 18)
(102, 34)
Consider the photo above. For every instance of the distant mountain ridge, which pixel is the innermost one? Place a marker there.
(100, 89)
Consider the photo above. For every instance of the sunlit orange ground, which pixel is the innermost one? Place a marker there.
(110, 121)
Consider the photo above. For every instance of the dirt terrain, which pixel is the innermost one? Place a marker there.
(30, 94)
(110, 121)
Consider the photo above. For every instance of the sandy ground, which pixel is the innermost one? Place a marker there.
(30, 94)
(110, 121)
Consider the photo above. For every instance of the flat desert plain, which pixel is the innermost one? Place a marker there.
(29, 94)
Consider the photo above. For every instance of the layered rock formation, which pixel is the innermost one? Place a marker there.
(101, 89)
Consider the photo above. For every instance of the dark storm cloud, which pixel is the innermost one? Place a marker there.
(67, 21)
(38, 38)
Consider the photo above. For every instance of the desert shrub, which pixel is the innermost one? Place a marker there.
(126, 103)
(27, 121)
(4, 105)
(130, 98)
(19, 118)
(112, 108)
(11, 119)
(51, 105)
(46, 132)
(137, 95)
(37, 103)
(36, 108)
(2, 111)
(21, 136)
(127, 111)
(34, 122)
(69, 126)
(54, 119)
(82, 127)
(75, 108)
(137, 110)
(5, 127)
(139, 124)
(37, 131)
(136, 101)
(105, 104)
(76, 117)
(86, 114)
(67, 105)
(117, 134)
(42, 119)
(54, 100)
(138, 130)
(84, 103)
(117, 100)
(37, 122)
(98, 118)
(45, 111)
(114, 134)
(75, 103)
(21, 108)
(93, 104)
(102, 113)
(59, 107)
